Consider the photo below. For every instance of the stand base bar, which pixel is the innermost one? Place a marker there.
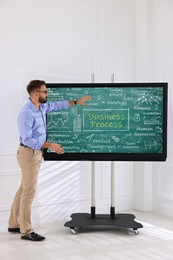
(119, 220)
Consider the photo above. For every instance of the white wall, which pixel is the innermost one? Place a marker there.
(62, 41)
(153, 62)
(163, 59)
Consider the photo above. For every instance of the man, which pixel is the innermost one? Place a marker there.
(32, 131)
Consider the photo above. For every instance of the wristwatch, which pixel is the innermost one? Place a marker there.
(75, 102)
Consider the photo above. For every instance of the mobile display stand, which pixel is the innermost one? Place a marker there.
(93, 219)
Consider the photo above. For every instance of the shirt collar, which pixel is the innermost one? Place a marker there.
(32, 106)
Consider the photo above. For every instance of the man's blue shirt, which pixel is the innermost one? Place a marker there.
(32, 122)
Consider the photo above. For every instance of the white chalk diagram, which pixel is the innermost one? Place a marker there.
(148, 99)
(137, 117)
(63, 123)
(73, 111)
(115, 138)
(154, 144)
(77, 124)
(158, 130)
(155, 120)
(56, 125)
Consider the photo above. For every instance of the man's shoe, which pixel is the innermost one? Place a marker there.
(14, 230)
(33, 237)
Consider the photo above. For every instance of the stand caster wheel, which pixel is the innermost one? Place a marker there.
(73, 230)
(136, 231)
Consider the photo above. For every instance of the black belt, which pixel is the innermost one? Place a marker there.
(27, 146)
(24, 145)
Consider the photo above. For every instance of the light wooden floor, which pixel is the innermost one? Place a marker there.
(155, 241)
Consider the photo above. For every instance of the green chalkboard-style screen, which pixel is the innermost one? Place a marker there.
(123, 121)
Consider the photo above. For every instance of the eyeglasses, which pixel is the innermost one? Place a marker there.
(44, 91)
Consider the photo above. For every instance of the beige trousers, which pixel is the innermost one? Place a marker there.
(20, 216)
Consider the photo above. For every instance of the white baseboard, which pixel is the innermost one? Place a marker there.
(163, 209)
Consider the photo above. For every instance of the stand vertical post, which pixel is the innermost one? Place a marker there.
(112, 208)
(93, 175)
(93, 190)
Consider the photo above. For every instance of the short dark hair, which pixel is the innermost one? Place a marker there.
(35, 85)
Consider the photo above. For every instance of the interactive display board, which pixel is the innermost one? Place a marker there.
(122, 122)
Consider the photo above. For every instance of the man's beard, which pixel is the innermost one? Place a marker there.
(42, 100)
